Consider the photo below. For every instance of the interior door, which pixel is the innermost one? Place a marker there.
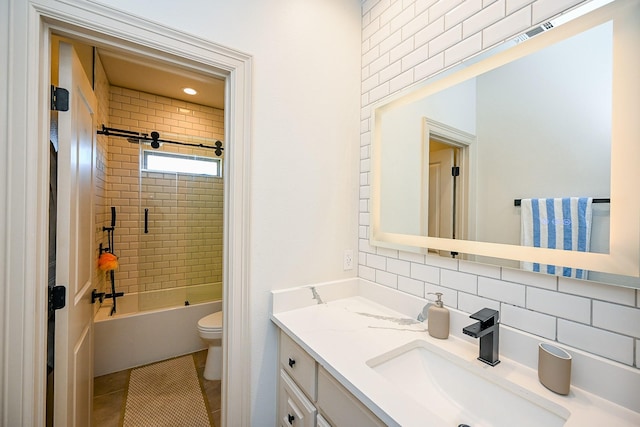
(441, 194)
(75, 263)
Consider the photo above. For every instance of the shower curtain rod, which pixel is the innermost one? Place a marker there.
(154, 137)
(518, 202)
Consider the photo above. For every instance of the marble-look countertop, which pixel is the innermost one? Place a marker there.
(347, 329)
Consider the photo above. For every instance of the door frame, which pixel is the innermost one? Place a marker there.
(23, 369)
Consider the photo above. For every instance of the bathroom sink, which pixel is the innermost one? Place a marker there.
(461, 392)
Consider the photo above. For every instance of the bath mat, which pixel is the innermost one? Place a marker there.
(167, 393)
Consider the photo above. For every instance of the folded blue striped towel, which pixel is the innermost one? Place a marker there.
(557, 223)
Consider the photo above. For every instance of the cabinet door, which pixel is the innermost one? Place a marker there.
(294, 409)
(300, 366)
(340, 407)
(322, 422)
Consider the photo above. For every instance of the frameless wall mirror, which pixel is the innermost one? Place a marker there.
(550, 115)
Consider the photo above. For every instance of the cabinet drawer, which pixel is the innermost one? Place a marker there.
(340, 407)
(322, 422)
(294, 409)
(299, 365)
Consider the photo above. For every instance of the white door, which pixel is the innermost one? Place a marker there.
(75, 266)
(441, 194)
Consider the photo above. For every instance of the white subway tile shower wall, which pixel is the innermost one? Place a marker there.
(405, 41)
(184, 243)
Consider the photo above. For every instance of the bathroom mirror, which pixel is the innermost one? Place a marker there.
(552, 114)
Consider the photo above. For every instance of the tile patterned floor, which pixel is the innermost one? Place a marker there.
(109, 395)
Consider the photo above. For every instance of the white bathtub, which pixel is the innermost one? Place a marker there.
(132, 338)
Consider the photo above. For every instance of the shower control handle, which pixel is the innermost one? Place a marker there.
(291, 362)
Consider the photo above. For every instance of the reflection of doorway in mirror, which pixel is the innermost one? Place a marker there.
(443, 191)
(446, 208)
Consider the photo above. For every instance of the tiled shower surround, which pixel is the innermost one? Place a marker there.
(406, 41)
(183, 245)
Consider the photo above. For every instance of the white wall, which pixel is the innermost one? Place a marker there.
(304, 143)
(407, 41)
(304, 171)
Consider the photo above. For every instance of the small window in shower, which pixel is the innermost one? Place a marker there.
(181, 163)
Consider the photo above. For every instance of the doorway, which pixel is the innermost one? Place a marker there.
(147, 39)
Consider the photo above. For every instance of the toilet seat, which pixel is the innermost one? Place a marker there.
(211, 322)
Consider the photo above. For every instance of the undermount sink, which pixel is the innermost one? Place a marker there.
(460, 392)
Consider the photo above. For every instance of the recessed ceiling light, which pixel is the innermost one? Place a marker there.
(189, 91)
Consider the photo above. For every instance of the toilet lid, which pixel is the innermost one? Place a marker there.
(212, 321)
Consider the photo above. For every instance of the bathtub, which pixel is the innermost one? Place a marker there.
(136, 335)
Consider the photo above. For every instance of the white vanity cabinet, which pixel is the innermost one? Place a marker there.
(309, 396)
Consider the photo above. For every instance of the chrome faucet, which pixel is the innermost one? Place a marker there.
(488, 330)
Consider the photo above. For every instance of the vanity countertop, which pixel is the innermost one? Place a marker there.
(351, 327)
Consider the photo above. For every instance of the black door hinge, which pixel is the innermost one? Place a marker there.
(57, 298)
(59, 99)
(455, 171)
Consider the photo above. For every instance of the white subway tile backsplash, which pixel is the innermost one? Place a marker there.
(393, 10)
(445, 40)
(422, 5)
(376, 261)
(425, 273)
(507, 27)
(429, 67)
(383, 33)
(390, 42)
(401, 81)
(483, 19)
(370, 56)
(370, 83)
(466, 9)
(617, 294)
(400, 21)
(399, 267)
(440, 8)
(617, 318)
(529, 321)
(513, 5)
(461, 281)
(544, 9)
(379, 63)
(597, 341)
(416, 24)
(405, 41)
(366, 272)
(560, 305)
(502, 291)
(379, 92)
(387, 279)
(463, 49)
(473, 303)
(415, 57)
(390, 72)
(429, 32)
(401, 50)
(411, 286)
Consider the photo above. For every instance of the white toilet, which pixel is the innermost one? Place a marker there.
(210, 330)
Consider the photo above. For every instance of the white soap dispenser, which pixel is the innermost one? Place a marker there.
(438, 318)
